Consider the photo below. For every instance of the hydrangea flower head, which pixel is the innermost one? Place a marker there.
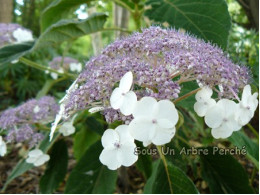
(20, 121)
(160, 59)
(13, 33)
(64, 64)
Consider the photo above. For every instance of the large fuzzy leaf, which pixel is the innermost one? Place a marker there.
(208, 19)
(57, 10)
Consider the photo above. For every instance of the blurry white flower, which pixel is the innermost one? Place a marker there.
(204, 101)
(37, 157)
(22, 35)
(67, 128)
(2, 147)
(75, 67)
(55, 75)
(154, 122)
(247, 106)
(122, 98)
(221, 118)
(118, 149)
(36, 109)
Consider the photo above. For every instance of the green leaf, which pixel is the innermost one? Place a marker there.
(144, 162)
(22, 166)
(208, 19)
(63, 30)
(90, 176)
(83, 139)
(14, 51)
(56, 169)
(94, 125)
(224, 174)
(240, 140)
(58, 10)
(66, 30)
(158, 183)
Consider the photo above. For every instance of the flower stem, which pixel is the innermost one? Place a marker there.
(253, 130)
(43, 68)
(186, 95)
(159, 148)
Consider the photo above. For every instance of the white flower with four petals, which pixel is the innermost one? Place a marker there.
(118, 149)
(221, 118)
(122, 98)
(37, 157)
(204, 101)
(154, 122)
(3, 149)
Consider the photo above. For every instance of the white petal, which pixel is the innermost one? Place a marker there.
(35, 153)
(232, 124)
(57, 120)
(124, 134)
(31, 159)
(126, 154)
(163, 136)
(129, 102)
(145, 107)
(109, 158)
(116, 99)
(213, 117)
(243, 116)
(96, 109)
(202, 107)
(221, 132)
(41, 160)
(165, 123)
(67, 128)
(165, 109)
(142, 129)
(204, 94)
(146, 143)
(126, 82)
(229, 107)
(246, 94)
(109, 138)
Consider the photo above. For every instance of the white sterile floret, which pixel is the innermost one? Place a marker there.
(37, 157)
(67, 128)
(75, 67)
(22, 35)
(118, 149)
(36, 109)
(3, 149)
(204, 101)
(247, 106)
(221, 118)
(57, 120)
(154, 122)
(62, 102)
(122, 98)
